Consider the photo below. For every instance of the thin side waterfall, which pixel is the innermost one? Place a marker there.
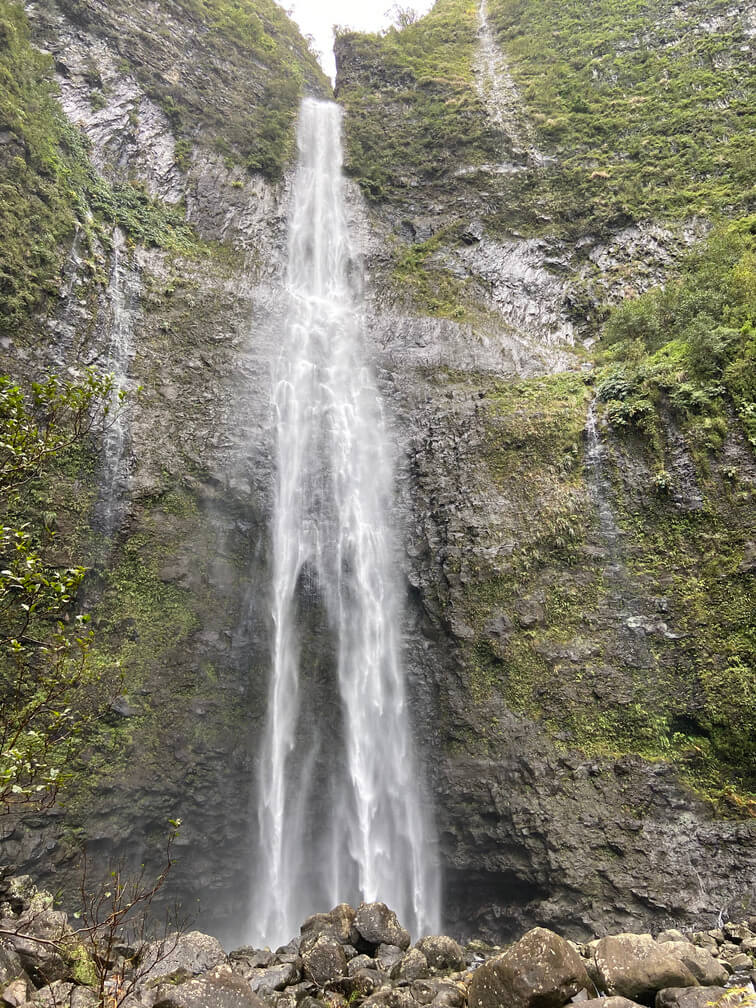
(115, 476)
(340, 807)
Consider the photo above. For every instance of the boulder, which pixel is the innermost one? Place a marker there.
(688, 997)
(440, 993)
(360, 962)
(377, 925)
(273, 979)
(541, 970)
(443, 953)
(636, 967)
(739, 962)
(324, 960)
(251, 958)
(736, 932)
(412, 966)
(388, 956)
(424, 991)
(15, 993)
(608, 1002)
(193, 952)
(704, 967)
(10, 967)
(42, 961)
(362, 984)
(338, 923)
(671, 935)
(219, 988)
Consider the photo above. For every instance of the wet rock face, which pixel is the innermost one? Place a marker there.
(531, 830)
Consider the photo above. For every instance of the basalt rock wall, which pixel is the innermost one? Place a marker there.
(573, 620)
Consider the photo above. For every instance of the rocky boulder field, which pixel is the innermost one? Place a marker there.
(362, 957)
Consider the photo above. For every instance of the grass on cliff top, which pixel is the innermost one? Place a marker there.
(233, 70)
(648, 106)
(412, 109)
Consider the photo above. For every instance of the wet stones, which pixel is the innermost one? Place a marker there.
(377, 925)
(542, 970)
(324, 960)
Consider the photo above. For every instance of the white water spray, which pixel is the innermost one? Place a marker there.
(340, 808)
(115, 475)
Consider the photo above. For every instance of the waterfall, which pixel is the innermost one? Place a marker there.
(115, 477)
(340, 803)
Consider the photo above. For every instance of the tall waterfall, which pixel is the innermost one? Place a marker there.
(340, 807)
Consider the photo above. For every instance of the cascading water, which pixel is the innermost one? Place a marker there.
(115, 476)
(340, 808)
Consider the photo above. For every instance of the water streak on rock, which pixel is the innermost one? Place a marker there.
(340, 806)
(115, 473)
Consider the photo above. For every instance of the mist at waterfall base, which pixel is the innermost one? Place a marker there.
(340, 807)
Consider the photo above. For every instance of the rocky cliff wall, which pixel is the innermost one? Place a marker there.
(581, 583)
(574, 628)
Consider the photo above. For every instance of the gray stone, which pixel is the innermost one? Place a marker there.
(738, 963)
(360, 962)
(608, 1002)
(193, 952)
(40, 960)
(339, 923)
(689, 997)
(15, 993)
(219, 988)
(252, 958)
(636, 967)
(704, 967)
(388, 956)
(540, 971)
(424, 991)
(10, 966)
(443, 953)
(275, 978)
(736, 932)
(413, 966)
(377, 925)
(324, 960)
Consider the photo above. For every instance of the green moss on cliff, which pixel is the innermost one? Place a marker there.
(641, 110)
(629, 638)
(648, 108)
(238, 69)
(689, 346)
(49, 190)
(413, 113)
(36, 213)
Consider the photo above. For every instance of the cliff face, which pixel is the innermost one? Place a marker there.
(153, 249)
(578, 553)
(581, 560)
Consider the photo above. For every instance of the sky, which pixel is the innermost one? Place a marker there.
(317, 18)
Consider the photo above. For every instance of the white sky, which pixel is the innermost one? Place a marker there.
(317, 18)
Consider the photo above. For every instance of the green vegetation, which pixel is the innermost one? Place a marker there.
(48, 690)
(545, 633)
(49, 190)
(648, 110)
(412, 109)
(36, 212)
(220, 53)
(643, 109)
(689, 346)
